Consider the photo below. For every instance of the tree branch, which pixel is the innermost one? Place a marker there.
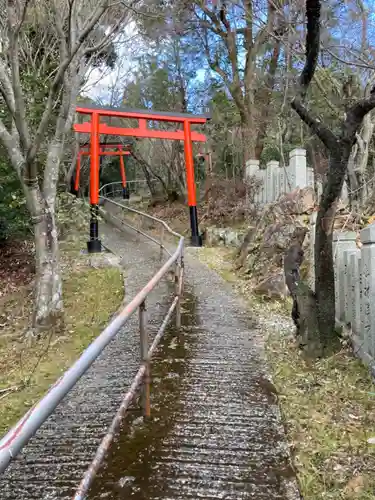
(312, 45)
(214, 19)
(355, 115)
(325, 135)
(19, 102)
(103, 44)
(10, 143)
(98, 13)
(6, 88)
(350, 63)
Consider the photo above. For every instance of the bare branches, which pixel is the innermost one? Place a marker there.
(19, 25)
(362, 65)
(92, 21)
(312, 45)
(308, 73)
(107, 40)
(19, 114)
(6, 88)
(355, 115)
(324, 133)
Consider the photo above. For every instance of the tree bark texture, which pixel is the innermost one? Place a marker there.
(48, 303)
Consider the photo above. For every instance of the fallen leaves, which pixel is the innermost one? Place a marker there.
(355, 486)
(16, 266)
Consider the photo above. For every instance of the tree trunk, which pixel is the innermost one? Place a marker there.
(48, 303)
(324, 273)
(249, 139)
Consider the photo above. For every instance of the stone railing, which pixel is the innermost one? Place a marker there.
(277, 180)
(355, 289)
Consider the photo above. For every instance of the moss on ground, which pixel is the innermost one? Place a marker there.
(91, 295)
(328, 406)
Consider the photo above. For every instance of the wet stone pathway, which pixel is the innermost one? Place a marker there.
(215, 431)
(53, 463)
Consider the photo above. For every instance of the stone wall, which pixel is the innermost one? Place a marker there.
(277, 180)
(355, 289)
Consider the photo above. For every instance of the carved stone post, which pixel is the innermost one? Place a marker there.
(342, 241)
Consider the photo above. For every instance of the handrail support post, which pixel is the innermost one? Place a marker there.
(145, 391)
(177, 284)
(161, 241)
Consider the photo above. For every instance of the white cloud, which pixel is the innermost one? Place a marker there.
(103, 83)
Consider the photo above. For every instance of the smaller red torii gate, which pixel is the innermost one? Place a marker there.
(121, 150)
(144, 118)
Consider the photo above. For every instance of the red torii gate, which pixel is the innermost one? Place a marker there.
(121, 152)
(95, 128)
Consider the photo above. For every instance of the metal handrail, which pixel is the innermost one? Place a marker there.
(147, 216)
(13, 442)
(120, 185)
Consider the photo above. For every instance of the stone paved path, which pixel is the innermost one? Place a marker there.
(216, 432)
(52, 464)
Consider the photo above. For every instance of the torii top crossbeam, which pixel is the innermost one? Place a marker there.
(144, 117)
(147, 114)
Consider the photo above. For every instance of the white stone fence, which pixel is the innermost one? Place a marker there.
(277, 180)
(355, 289)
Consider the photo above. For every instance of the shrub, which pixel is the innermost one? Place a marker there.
(231, 200)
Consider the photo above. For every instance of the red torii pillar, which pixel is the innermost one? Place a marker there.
(94, 245)
(196, 238)
(102, 152)
(125, 189)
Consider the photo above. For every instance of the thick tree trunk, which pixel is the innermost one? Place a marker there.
(253, 134)
(324, 280)
(324, 273)
(48, 290)
(249, 139)
(48, 303)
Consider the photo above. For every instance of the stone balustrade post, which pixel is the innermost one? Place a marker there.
(348, 286)
(269, 184)
(262, 189)
(368, 288)
(356, 282)
(252, 167)
(342, 241)
(275, 183)
(313, 217)
(297, 170)
(310, 177)
(252, 170)
(282, 180)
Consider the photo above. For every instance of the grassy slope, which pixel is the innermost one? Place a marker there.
(328, 407)
(86, 313)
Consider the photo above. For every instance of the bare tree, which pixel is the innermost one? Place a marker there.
(339, 147)
(56, 41)
(236, 31)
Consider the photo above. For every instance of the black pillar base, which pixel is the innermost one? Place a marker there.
(125, 193)
(196, 238)
(94, 246)
(196, 241)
